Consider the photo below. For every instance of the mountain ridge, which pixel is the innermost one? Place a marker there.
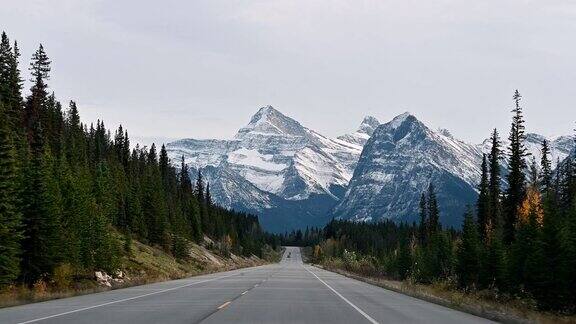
(292, 176)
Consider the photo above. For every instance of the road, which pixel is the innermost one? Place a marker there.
(287, 292)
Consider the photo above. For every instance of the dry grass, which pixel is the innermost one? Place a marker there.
(483, 303)
(145, 265)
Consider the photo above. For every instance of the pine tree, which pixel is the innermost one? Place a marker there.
(200, 187)
(494, 219)
(433, 212)
(469, 252)
(185, 182)
(516, 167)
(525, 246)
(404, 259)
(494, 262)
(423, 228)
(546, 167)
(164, 164)
(35, 106)
(5, 58)
(483, 203)
(534, 174)
(10, 217)
(208, 196)
(545, 263)
(40, 245)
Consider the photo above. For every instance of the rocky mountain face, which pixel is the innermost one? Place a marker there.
(399, 161)
(288, 174)
(293, 177)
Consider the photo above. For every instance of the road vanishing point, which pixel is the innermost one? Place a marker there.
(286, 292)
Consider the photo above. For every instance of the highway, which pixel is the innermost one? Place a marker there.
(286, 292)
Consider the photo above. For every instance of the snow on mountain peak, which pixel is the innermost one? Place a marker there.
(363, 133)
(368, 125)
(269, 121)
(398, 120)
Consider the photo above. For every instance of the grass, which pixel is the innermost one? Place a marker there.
(145, 265)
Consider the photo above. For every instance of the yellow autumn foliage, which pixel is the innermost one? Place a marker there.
(532, 205)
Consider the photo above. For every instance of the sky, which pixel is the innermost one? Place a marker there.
(179, 69)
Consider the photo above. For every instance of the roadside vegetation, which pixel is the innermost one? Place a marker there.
(77, 200)
(516, 250)
(144, 264)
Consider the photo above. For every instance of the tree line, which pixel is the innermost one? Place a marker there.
(75, 194)
(519, 239)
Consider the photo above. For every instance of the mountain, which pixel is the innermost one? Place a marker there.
(399, 161)
(361, 136)
(294, 177)
(560, 147)
(290, 175)
(403, 156)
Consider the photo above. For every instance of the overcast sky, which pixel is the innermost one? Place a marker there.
(201, 68)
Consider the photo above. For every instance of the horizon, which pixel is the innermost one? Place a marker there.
(146, 141)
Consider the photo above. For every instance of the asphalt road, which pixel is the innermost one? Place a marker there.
(287, 292)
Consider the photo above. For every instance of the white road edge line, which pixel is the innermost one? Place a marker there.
(131, 298)
(370, 319)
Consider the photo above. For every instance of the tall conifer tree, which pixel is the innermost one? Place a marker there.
(516, 169)
(483, 203)
(495, 216)
(10, 217)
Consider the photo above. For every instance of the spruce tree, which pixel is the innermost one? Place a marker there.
(516, 169)
(10, 217)
(546, 167)
(404, 260)
(468, 253)
(40, 245)
(495, 217)
(534, 175)
(208, 198)
(423, 227)
(525, 246)
(483, 202)
(545, 277)
(494, 262)
(35, 106)
(164, 163)
(433, 212)
(5, 57)
(200, 187)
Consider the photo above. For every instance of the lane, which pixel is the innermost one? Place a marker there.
(178, 301)
(292, 295)
(391, 307)
(287, 292)
(305, 294)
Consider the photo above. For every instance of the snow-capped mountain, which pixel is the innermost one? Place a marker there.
(271, 163)
(361, 136)
(399, 161)
(560, 147)
(293, 177)
(403, 156)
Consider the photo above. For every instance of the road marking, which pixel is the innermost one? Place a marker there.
(131, 298)
(224, 305)
(370, 319)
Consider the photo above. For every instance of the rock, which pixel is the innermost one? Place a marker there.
(103, 279)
